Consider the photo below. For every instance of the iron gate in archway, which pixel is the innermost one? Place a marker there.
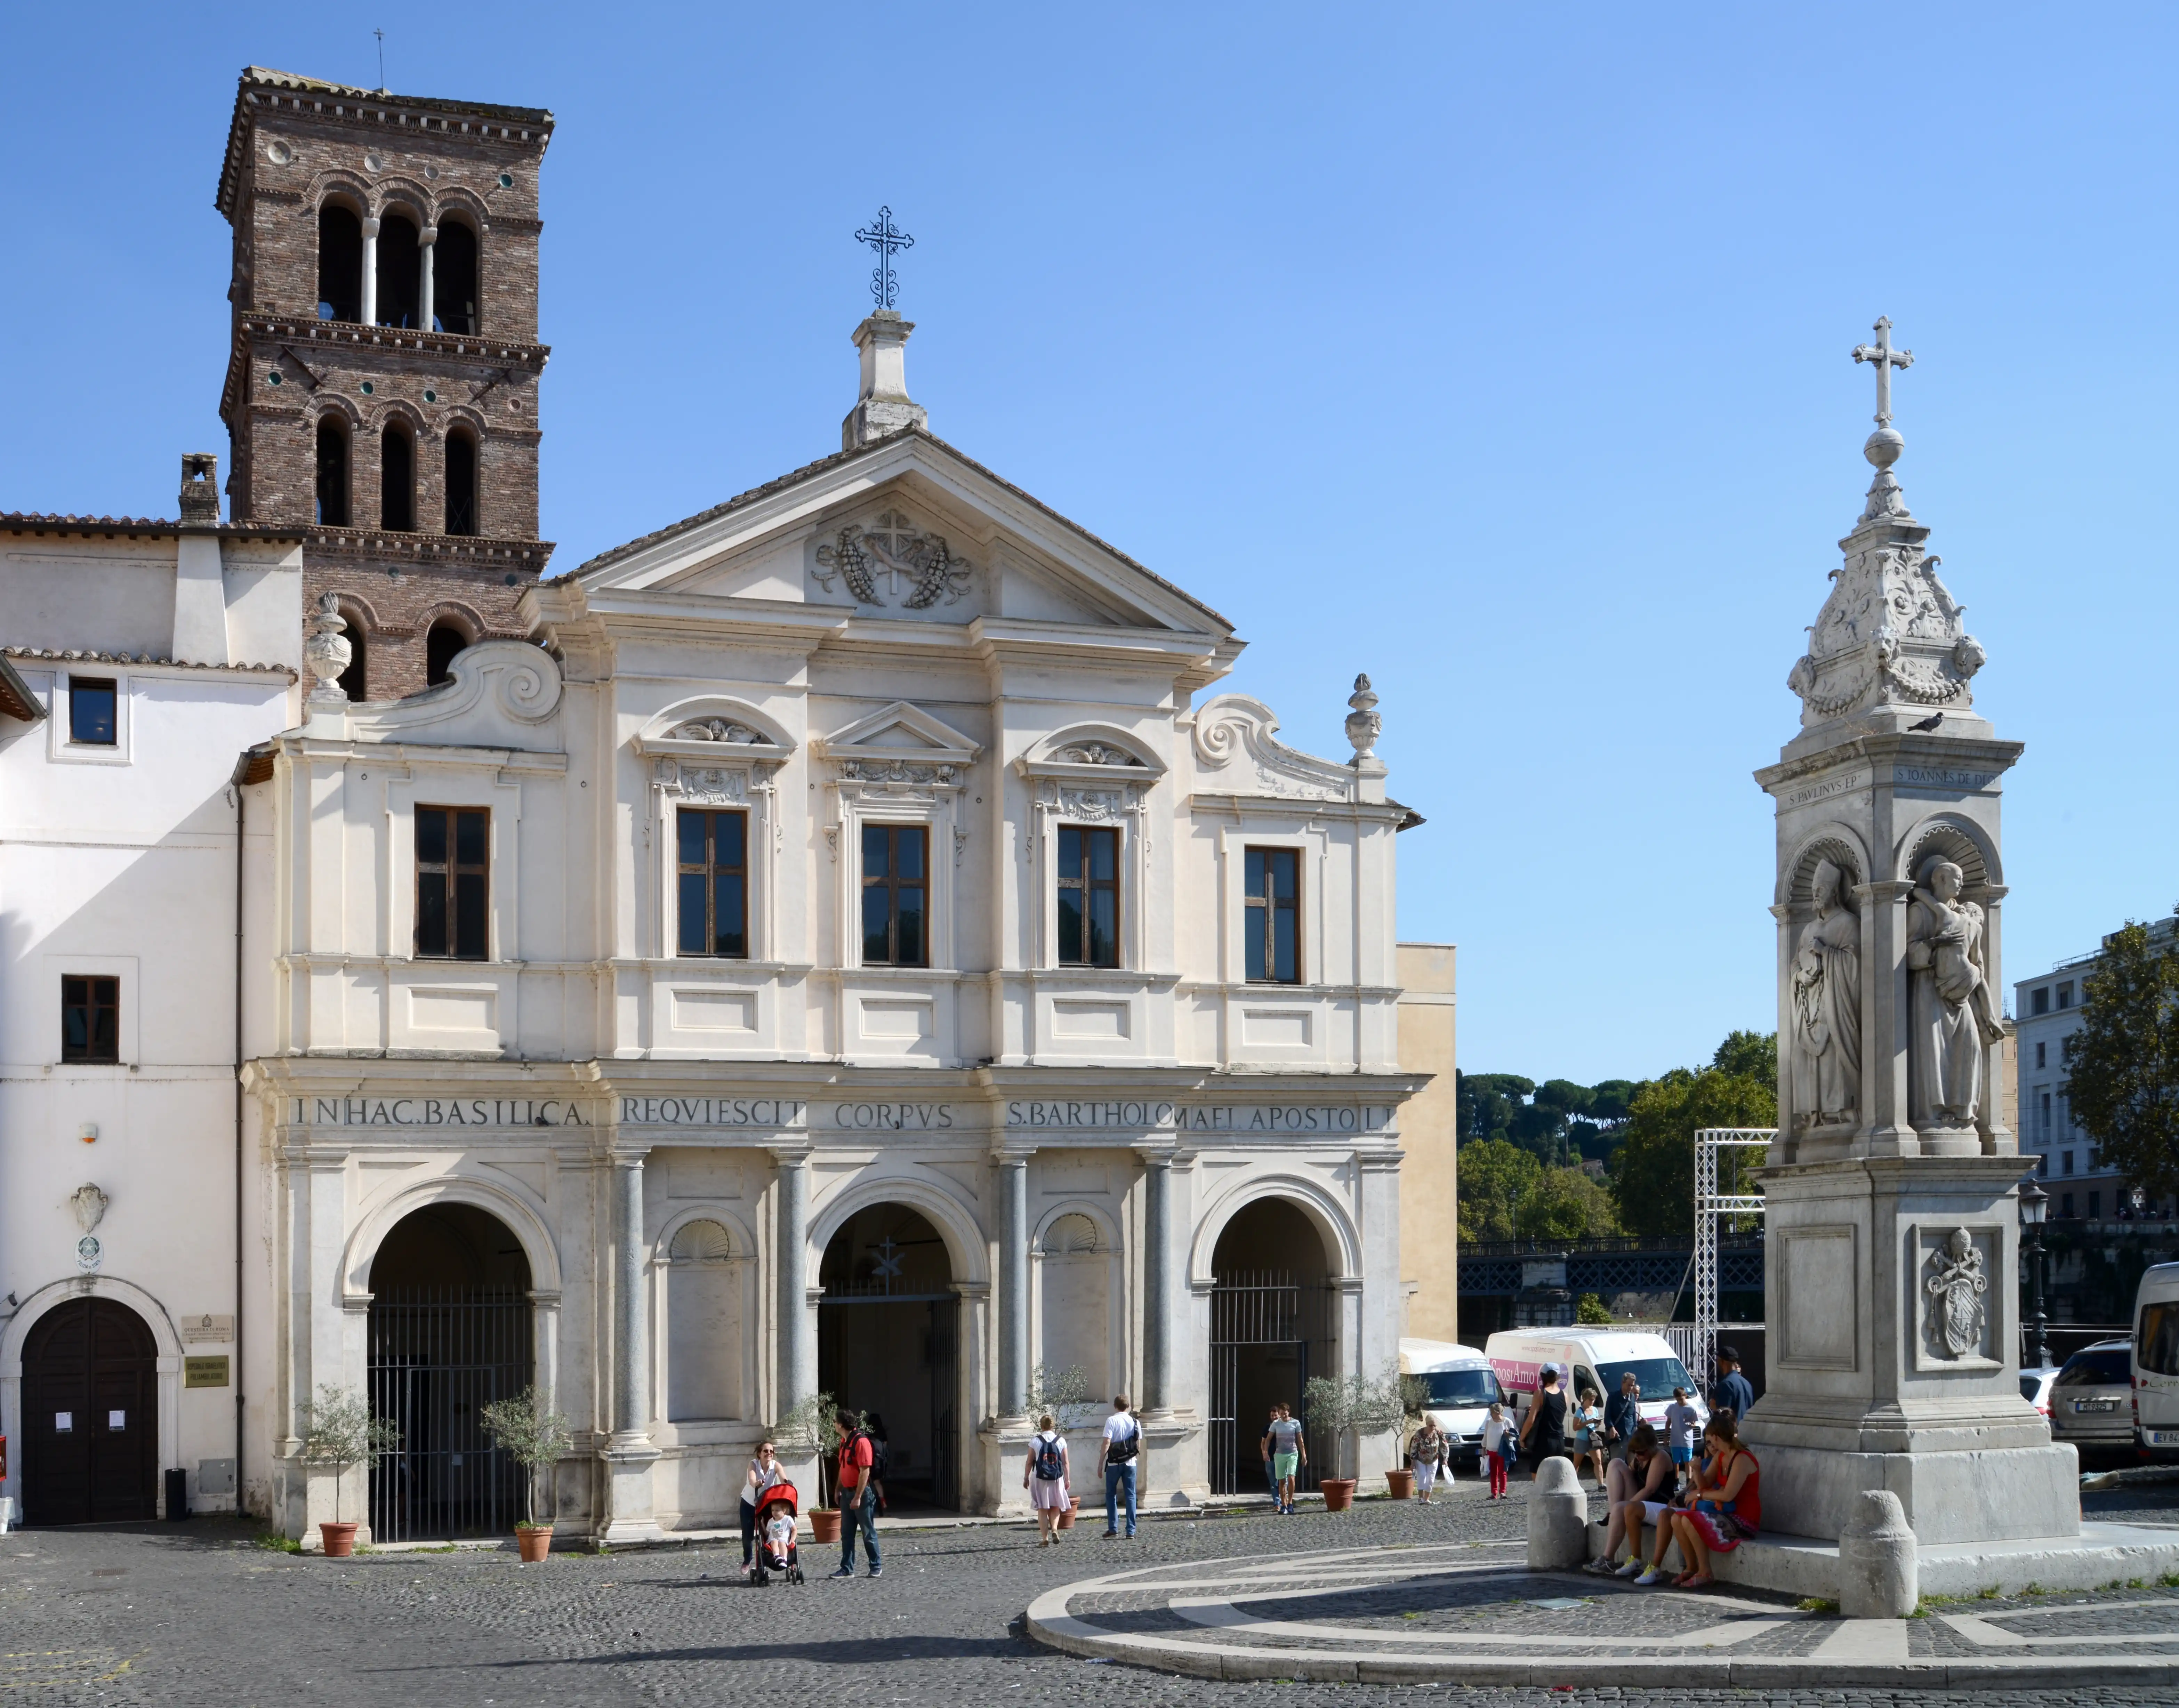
(437, 1356)
(1268, 1333)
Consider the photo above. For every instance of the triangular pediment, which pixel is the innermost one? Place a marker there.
(909, 529)
(900, 730)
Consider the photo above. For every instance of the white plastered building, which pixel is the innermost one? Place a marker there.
(137, 660)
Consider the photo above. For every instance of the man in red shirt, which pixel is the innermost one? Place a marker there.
(858, 1500)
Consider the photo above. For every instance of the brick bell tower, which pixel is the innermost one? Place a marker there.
(382, 389)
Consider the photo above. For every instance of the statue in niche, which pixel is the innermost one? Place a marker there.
(1958, 1286)
(1950, 1015)
(1827, 1037)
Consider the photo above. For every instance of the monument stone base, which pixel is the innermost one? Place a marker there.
(2000, 1494)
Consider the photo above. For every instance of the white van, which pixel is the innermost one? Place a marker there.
(2156, 1362)
(1593, 1358)
(1461, 1390)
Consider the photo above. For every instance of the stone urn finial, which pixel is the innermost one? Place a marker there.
(1364, 725)
(328, 650)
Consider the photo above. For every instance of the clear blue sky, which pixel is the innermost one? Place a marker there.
(1499, 353)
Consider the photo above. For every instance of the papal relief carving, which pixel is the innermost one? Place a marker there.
(1826, 1007)
(1952, 1015)
(918, 569)
(1957, 1286)
(717, 729)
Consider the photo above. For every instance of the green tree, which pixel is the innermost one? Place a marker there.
(1566, 1204)
(1653, 1181)
(1494, 1178)
(1589, 1308)
(2122, 1065)
(1485, 1103)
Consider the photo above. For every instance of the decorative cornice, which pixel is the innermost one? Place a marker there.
(459, 549)
(332, 336)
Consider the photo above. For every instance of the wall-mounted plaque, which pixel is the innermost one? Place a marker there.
(205, 1371)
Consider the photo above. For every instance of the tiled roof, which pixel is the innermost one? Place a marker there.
(47, 522)
(16, 699)
(838, 458)
(76, 655)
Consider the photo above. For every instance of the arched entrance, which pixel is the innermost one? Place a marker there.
(1271, 1332)
(887, 1335)
(450, 1318)
(90, 1424)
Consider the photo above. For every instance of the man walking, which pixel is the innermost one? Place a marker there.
(857, 1497)
(1622, 1415)
(1123, 1440)
(1289, 1452)
(1734, 1393)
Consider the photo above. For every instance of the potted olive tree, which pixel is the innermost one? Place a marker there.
(1058, 1391)
(1356, 1407)
(813, 1427)
(340, 1433)
(1414, 1400)
(536, 1438)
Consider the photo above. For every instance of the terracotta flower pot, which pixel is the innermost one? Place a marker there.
(1399, 1485)
(824, 1525)
(1338, 1493)
(1066, 1519)
(340, 1539)
(533, 1541)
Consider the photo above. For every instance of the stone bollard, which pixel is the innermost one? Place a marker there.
(1558, 1518)
(1880, 1562)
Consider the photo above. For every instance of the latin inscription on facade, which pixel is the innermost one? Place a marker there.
(1826, 790)
(1926, 777)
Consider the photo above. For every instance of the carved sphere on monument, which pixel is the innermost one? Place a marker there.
(1885, 446)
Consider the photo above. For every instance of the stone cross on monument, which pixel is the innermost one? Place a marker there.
(1885, 358)
(1891, 1226)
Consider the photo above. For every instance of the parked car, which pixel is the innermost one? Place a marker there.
(2156, 1362)
(1593, 1358)
(2090, 1404)
(1461, 1390)
(2035, 1386)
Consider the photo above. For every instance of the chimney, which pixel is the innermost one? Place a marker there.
(882, 407)
(199, 489)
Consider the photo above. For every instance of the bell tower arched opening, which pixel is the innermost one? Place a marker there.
(449, 1333)
(888, 1339)
(1270, 1331)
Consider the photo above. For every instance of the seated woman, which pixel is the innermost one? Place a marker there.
(1728, 1502)
(1637, 1489)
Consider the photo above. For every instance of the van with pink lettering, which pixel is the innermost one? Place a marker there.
(1591, 1359)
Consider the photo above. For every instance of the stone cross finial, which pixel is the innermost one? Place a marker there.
(1364, 725)
(1885, 358)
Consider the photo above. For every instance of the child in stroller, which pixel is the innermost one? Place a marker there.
(776, 1553)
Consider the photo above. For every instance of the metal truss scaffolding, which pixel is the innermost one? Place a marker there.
(1712, 1207)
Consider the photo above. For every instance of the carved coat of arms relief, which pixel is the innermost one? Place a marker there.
(892, 562)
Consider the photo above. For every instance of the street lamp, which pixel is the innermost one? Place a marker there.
(2034, 1206)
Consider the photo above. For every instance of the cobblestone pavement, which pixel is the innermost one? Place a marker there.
(197, 1614)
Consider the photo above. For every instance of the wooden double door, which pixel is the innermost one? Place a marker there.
(90, 1416)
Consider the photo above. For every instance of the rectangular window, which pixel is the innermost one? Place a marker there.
(2066, 1162)
(91, 711)
(1089, 898)
(2066, 995)
(1273, 915)
(2042, 1166)
(2045, 1118)
(90, 1019)
(714, 872)
(2095, 1206)
(2041, 1000)
(2065, 1207)
(896, 895)
(453, 916)
(2041, 1055)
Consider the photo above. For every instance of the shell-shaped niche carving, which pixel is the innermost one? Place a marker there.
(701, 1242)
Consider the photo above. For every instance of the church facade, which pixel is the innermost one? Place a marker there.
(840, 942)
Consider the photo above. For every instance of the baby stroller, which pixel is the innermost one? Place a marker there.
(777, 1554)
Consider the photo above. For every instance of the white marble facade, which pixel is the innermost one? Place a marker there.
(891, 642)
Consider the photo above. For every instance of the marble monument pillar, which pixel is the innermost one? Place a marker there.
(1891, 1221)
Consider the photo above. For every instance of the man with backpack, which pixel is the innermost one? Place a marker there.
(858, 1500)
(1123, 1440)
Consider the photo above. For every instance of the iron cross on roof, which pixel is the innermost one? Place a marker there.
(881, 236)
(1885, 358)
